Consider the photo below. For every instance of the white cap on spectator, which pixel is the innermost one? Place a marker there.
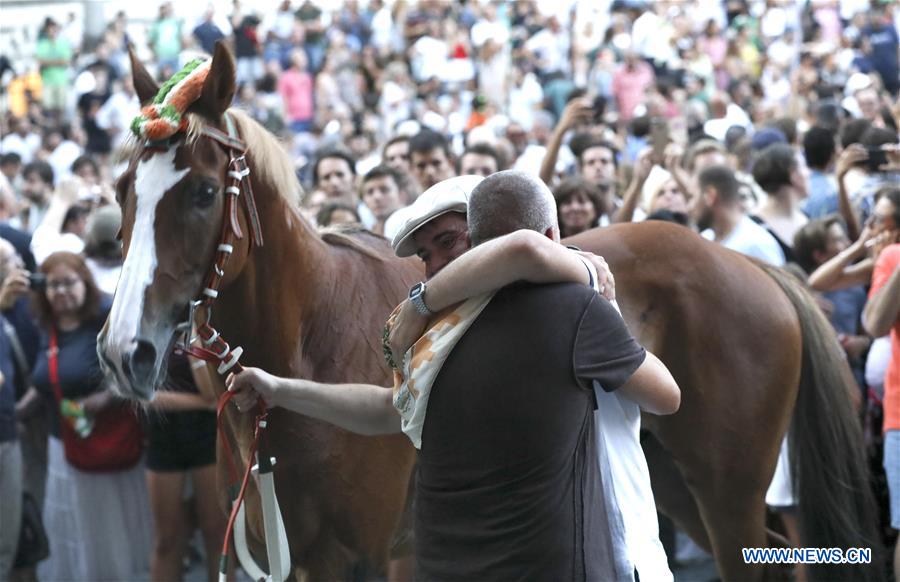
(451, 195)
(857, 82)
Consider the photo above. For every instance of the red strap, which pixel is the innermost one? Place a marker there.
(53, 365)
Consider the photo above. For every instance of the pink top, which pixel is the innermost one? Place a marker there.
(628, 87)
(296, 88)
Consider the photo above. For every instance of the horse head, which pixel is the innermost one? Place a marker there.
(173, 204)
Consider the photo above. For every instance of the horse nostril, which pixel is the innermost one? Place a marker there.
(142, 361)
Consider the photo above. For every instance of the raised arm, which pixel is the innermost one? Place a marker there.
(361, 408)
(842, 270)
(851, 156)
(576, 110)
(642, 167)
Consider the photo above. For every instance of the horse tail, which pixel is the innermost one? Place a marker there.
(827, 454)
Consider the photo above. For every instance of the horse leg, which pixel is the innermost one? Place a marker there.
(671, 493)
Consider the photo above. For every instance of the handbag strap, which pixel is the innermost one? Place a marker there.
(18, 351)
(53, 365)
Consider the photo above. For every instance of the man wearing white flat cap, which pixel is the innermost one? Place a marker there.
(435, 229)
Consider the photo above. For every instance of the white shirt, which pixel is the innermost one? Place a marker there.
(62, 158)
(26, 146)
(751, 239)
(628, 492)
(116, 115)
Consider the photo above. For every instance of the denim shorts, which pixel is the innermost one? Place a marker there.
(892, 470)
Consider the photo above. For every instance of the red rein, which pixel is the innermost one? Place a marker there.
(217, 350)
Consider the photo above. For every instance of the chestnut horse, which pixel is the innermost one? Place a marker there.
(299, 305)
(753, 355)
(749, 349)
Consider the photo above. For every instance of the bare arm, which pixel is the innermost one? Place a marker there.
(576, 110)
(632, 197)
(653, 388)
(883, 309)
(523, 255)
(841, 271)
(847, 160)
(361, 408)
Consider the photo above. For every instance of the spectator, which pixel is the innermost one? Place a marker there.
(37, 188)
(480, 159)
(165, 38)
(383, 191)
(719, 216)
(882, 316)
(10, 166)
(777, 172)
(396, 154)
(247, 49)
(11, 465)
(208, 32)
(21, 140)
(336, 213)
(335, 173)
(430, 158)
(90, 538)
(819, 152)
(815, 244)
(55, 56)
(296, 88)
(630, 83)
(579, 204)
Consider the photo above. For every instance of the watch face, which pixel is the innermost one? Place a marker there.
(416, 290)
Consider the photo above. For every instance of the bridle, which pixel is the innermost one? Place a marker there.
(217, 351)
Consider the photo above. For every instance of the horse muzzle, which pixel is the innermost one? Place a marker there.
(135, 367)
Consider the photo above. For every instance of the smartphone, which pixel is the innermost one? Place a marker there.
(877, 158)
(659, 138)
(37, 281)
(599, 107)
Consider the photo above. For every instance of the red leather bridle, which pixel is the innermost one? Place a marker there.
(214, 347)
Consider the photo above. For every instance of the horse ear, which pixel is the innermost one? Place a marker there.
(144, 85)
(218, 90)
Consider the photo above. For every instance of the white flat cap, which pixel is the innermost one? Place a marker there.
(451, 195)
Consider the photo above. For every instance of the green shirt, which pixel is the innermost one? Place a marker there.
(166, 38)
(54, 50)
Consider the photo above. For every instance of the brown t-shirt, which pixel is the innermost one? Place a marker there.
(508, 485)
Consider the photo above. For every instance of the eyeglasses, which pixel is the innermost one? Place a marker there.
(62, 285)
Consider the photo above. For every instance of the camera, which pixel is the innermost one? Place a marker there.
(877, 158)
(37, 281)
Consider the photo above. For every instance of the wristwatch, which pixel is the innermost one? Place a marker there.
(417, 298)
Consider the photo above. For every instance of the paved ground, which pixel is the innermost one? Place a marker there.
(703, 570)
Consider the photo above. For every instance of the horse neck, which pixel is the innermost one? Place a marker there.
(271, 302)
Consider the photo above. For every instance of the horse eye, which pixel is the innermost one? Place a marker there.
(205, 195)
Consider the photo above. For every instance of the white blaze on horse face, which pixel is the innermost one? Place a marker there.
(154, 177)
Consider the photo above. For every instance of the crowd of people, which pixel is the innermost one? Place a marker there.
(770, 127)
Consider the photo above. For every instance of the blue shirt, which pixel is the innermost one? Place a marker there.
(823, 195)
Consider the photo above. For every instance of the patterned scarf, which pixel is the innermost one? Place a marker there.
(415, 375)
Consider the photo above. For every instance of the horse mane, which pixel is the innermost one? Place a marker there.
(274, 164)
(352, 236)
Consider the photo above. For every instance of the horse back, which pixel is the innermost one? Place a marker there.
(712, 316)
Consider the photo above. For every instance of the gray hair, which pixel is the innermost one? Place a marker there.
(508, 201)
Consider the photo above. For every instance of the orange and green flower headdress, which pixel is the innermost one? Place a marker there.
(165, 115)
